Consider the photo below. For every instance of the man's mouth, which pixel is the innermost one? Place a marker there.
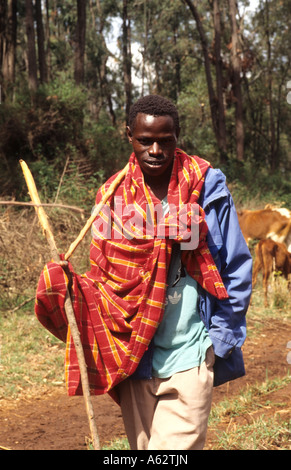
(155, 163)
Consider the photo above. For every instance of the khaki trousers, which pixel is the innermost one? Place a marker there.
(168, 414)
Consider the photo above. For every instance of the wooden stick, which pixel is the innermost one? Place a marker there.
(68, 304)
(31, 204)
(96, 211)
(62, 177)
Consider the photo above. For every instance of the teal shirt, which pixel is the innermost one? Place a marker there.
(181, 340)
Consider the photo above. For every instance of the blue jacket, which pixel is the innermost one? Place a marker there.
(224, 319)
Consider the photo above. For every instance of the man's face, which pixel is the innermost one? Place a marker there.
(154, 140)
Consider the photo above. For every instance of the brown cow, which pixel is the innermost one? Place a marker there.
(270, 256)
(282, 210)
(265, 223)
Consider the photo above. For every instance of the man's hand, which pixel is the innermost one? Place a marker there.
(65, 266)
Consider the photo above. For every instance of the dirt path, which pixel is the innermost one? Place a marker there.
(58, 422)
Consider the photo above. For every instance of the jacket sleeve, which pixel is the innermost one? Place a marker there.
(226, 318)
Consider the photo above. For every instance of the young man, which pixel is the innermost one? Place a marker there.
(162, 320)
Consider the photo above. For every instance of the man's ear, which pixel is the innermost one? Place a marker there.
(178, 132)
(129, 134)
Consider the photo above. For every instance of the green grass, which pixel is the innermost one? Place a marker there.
(117, 444)
(241, 422)
(262, 434)
(249, 400)
(30, 357)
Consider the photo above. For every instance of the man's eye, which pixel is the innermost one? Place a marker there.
(145, 142)
(148, 143)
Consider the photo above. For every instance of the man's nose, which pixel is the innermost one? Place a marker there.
(155, 149)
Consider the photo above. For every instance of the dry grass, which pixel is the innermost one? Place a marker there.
(24, 251)
(31, 359)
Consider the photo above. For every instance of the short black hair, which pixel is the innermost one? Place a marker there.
(154, 105)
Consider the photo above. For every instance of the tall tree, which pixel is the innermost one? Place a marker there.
(219, 78)
(8, 28)
(145, 46)
(80, 42)
(31, 51)
(213, 102)
(271, 44)
(40, 43)
(236, 80)
(48, 39)
(273, 153)
(98, 56)
(127, 59)
(2, 40)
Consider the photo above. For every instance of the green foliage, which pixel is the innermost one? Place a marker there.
(58, 117)
(42, 132)
(58, 126)
(79, 190)
(64, 120)
(253, 186)
(107, 146)
(197, 136)
(45, 176)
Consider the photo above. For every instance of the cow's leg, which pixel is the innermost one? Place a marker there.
(257, 266)
(267, 269)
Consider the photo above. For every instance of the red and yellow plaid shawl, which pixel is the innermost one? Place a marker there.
(119, 303)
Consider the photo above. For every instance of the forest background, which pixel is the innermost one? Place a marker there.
(69, 71)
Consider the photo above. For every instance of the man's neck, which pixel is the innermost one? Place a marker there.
(159, 191)
(159, 186)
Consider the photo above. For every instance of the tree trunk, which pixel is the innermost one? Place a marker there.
(104, 87)
(145, 48)
(48, 40)
(80, 42)
(3, 7)
(219, 78)
(236, 82)
(31, 53)
(8, 29)
(126, 49)
(273, 154)
(40, 42)
(177, 64)
(2, 37)
(211, 94)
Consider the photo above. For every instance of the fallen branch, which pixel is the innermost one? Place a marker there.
(22, 304)
(34, 204)
(61, 180)
(68, 304)
(96, 211)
